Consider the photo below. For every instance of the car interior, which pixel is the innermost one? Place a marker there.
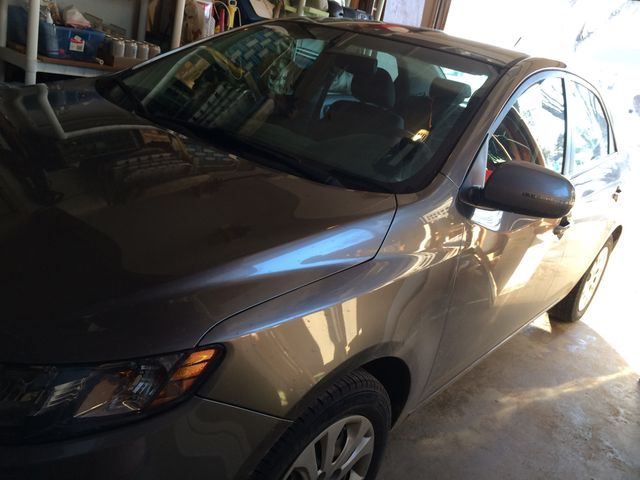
(512, 141)
(376, 114)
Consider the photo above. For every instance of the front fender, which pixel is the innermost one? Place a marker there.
(280, 352)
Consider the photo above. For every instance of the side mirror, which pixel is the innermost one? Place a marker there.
(524, 188)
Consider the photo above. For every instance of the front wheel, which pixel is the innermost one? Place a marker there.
(573, 306)
(340, 436)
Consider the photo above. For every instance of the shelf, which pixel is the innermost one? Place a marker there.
(56, 65)
(32, 63)
(307, 11)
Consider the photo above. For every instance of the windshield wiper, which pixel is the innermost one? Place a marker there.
(321, 173)
(138, 106)
(269, 156)
(181, 126)
(263, 154)
(290, 162)
(354, 179)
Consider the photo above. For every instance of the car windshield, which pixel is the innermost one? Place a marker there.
(316, 98)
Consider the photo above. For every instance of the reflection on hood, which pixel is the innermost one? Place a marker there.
(102, 210)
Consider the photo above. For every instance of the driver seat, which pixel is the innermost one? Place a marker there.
(372, 114)
(446, 94)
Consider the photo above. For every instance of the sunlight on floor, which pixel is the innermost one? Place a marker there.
(513, 402)
(614, 311)
(542, 323)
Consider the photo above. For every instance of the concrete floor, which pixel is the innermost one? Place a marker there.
(556, 401)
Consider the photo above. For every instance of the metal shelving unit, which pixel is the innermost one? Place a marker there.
(32, 64)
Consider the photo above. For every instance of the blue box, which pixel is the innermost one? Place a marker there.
(78, 44)
(55, 41)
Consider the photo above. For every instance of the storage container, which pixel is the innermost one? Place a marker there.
(143, 51)
(78, 44)
(55, 41)
(117, 47)
(130, 49)
(154, 50)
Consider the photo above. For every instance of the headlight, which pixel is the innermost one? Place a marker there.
(42, 403)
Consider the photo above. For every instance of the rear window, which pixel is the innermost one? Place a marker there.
(354, 105)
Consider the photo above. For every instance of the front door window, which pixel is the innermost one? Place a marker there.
(533, 129)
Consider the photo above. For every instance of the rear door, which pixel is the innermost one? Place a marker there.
(596, 170)
(507, 270)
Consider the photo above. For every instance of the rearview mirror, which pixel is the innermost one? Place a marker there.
(524, 188)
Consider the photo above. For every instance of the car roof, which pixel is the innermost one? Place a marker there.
(427, 37)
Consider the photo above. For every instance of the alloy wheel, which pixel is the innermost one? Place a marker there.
(593, 279)
(343, 451)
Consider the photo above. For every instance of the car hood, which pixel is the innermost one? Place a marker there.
(120, 238)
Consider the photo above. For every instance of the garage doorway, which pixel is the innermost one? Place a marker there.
(597, 39)
(600, 40)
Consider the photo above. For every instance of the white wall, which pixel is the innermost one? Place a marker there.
(123, 13)
(599, 39)
(406, 12)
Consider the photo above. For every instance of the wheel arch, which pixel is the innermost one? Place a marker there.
(389, 369)
(395, 376)
(615, 235)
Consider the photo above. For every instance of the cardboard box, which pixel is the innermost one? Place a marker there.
(121, 63)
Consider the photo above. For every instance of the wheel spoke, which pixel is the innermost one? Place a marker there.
(305, 465)
(355, 442)
(328, 447)
(363, 450)
(593, 279)
(342, 451)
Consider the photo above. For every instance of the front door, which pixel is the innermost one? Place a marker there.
(506, 273)
(596, 170)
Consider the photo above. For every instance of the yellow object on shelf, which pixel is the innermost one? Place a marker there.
(232, 6)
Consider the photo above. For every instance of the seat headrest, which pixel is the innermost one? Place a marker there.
(354, 64)
(449, 92)
(377, 88)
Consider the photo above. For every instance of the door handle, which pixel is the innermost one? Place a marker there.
(562, 227)
(617, 193)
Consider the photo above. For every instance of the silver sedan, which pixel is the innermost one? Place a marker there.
(252, 256)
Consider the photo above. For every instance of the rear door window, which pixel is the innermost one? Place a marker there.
(590, 128)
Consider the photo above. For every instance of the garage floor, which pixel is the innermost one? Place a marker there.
(557, 401)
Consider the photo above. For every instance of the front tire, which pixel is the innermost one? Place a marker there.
(575, 304)
(340, 436)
